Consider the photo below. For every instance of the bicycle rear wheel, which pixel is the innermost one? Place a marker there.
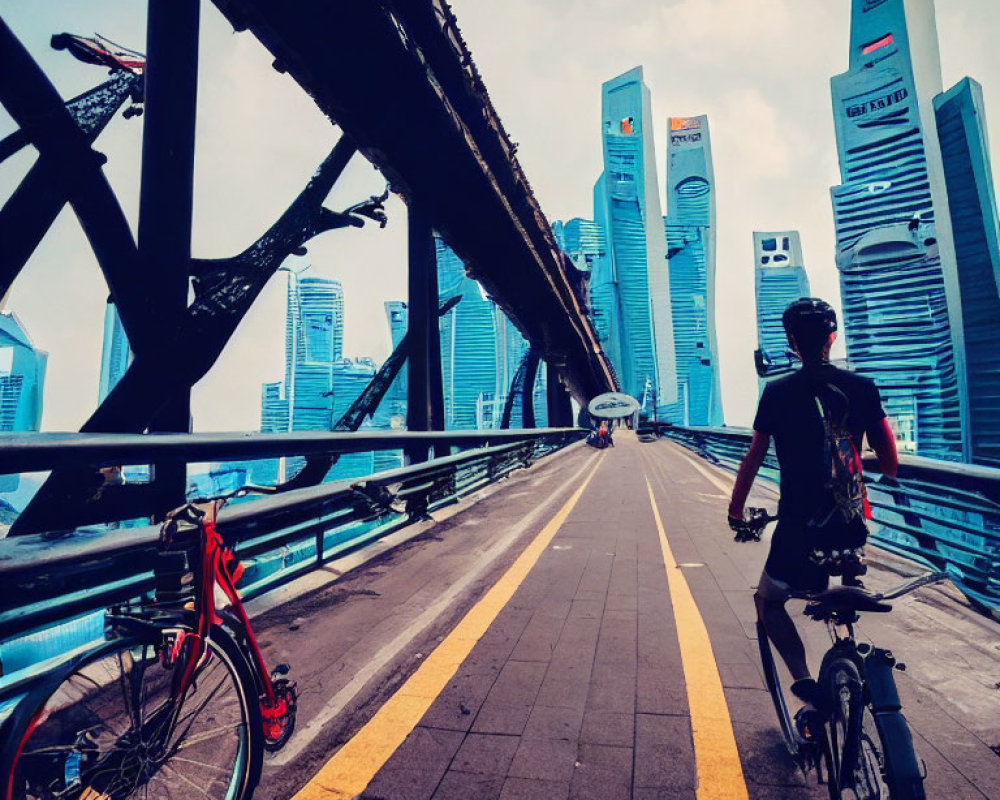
(116, 727)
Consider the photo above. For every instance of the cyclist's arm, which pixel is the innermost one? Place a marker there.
(748, 471)
(884, 444)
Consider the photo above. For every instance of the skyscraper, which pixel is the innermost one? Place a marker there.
(779, 279)
(690, 231)
(314, 335)
(350, 377)
(605, 304)
(115, 352)
(899, 283)
(22, 377)
(582, 240)
(468, 345)
(961, 122)
(398, 314)
(627, 207)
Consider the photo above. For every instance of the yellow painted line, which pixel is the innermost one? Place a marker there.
(717, 761)
(353, 766)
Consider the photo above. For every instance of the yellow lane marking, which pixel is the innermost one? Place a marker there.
(353, 766)
(717, 761)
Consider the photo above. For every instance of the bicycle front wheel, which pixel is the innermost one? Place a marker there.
(118, 726)
(845, 702)
(887, 766)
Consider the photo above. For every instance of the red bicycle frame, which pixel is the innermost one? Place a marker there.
(215, 571)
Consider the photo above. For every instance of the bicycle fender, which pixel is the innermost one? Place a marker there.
(903, 768)
(881, 683)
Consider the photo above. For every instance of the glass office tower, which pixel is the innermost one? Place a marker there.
(314, 335)
(895, 253)
(605, 305)
(961, 123)
(779, 279)
(115, 352)
(631, 292)
(582, 240)
(350, 377)
(690, 232)
(22, 377)
(468, 344)
(398, 314)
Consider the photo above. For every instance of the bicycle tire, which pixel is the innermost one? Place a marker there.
(111, 725)
(903, 775)
(773, 683)
(843, 688)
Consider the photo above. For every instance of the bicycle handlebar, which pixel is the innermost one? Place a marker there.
(909, 586)
(750, 528)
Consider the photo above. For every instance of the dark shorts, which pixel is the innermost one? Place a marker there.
(788, 560)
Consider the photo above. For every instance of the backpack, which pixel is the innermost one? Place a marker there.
(837, 531)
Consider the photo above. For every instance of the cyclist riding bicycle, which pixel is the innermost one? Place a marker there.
(797, 411)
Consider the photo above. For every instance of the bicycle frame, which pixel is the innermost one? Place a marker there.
(214, 565)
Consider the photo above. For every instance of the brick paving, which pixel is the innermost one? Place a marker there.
(576, 690)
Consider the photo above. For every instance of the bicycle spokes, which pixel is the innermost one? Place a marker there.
(116, 728)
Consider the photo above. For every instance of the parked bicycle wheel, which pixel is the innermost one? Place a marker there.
(115, 727)
(845, 698)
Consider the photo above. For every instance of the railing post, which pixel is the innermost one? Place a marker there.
(425, 394)
(166, 202)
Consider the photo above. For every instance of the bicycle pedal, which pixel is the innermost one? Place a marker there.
(280, 669)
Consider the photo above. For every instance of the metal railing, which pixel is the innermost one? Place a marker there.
(943, 515)
(56, 586)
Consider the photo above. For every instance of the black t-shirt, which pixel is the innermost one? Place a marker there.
(788, 413)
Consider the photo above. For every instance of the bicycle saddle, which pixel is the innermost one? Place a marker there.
(843, 600)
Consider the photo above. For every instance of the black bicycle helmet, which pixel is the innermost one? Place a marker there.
(809, 321)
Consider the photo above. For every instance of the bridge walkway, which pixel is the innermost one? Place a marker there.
(548, 643)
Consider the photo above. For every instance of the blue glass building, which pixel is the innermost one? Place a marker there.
(961, 122)
(582, 240)
(481, 350)
(350, 377)
(398, 315)
(22, 377)
(605, 305)
(631, 287)
(314, 336)
(468, 347)
(895, 253)
(779, 279)
(115, 352)
(690, 232)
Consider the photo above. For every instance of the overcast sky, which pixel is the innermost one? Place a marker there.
(759, 69)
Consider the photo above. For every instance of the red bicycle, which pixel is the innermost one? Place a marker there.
(178, 703)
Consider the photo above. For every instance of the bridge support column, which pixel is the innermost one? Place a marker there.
(528, 389)
(425, 394)
(559, 406)
(165, 205)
